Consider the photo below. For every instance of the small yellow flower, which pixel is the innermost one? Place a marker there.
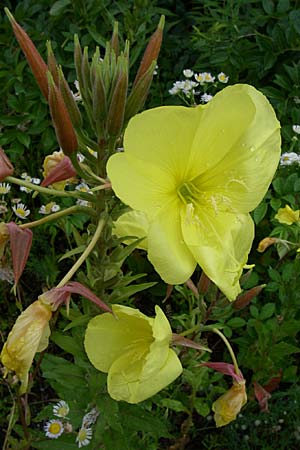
(29, 335)
(287, 215)
(134, 350)
(227, 407)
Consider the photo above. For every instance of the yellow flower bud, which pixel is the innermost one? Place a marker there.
(29, 335)
(50, 162)
(227, 407)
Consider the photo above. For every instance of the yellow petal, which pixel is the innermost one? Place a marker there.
(132, 223)
(220, 243)
(167, 250)
(240, 162)
(287, 215)
(227, 407)
(29, 335)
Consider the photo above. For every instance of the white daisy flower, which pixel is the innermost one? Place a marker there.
(55, 208)
(61, 409)
(222, 77)
(83, 187)
(4, 188)
(21, 211)
(289, 158)
(296, 129)
(84, 437)
(208, 78)
(188, 73)
(90, 418)
(36, 180)
(49, 208)
(200, 77)
(54, 428)
(206, 98)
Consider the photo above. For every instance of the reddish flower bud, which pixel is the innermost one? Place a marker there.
(245, 298)
(20, 244)
(226, 368)
(262, 396)
(34, 59)
(6, 167)
(62, 171)
(204, 283)
(61, 119)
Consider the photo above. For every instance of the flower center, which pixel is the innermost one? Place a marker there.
(55, 428)
(188, 193)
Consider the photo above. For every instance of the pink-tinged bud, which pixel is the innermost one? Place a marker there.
(204, 283)
(69, 100)
(177, 339)
(152, 50)
(192, 287)
(52, 63)
(29, 335)
(228, 406)
(262, 396)
(245, 298)
(57, 172)
(58, 296)
(6, 167)
(61, 119)
(115, 116)
(20, 245)
(265, 243)
(226, 369)
(114, 43)
(34, 59)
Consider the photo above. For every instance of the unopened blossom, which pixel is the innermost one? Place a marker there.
(188, 73)
(54, 428)
(222, 77)
(287, 215)
(296, 129)
(289, 158)
(21, 210)
(194, 182)
(84, 437)
(136, 355)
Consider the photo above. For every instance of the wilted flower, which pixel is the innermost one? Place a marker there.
(90, 418)
(134, 350)
(287, 215)
(61, 409)
(59, 166)
(265, 243)
(195, 181)
(228, 406)
(29, 335)
(54, 428)
(84, 437)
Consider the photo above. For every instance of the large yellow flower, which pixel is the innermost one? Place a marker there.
(134, 350)
(194, 174)
(29, 335)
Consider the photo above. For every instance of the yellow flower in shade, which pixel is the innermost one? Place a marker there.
(287, 215)
(134, 350)
(228, 406)
(194, 174)
(29, 335)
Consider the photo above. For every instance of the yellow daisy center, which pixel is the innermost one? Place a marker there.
(55, 428)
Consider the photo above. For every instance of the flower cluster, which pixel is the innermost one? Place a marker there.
(289, 158)
(187, 88)
(54, 428)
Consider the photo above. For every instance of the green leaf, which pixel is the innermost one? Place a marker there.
(82, 320)
(236, 322)
(267, 311)
(260, 212)
(67, 343)
(58, 7)
(75, 251)
(295, 19)
(174, 405)
(276, 203)
(268, 6)
(136, 418)
(201, 407)
(254, 311)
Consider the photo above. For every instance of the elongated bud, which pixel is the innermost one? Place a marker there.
(6, 167)
(78, 60)
(114, 43)
(152, 50)
(61, 119)
(69, 100)
(177, 339)
(115, 117)
(204, 283)
(34, 59)
(265, 243)
(245, 298)
(20, 245)
(52, 63)
(139, 93)
(99, 102)
(85, 73)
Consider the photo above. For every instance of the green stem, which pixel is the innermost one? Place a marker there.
(47, 191)
(84, 255)
(57, 215)
(225, 340)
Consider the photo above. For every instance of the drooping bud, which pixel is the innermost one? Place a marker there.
(245, 298)
(114, 43)
(69, 100)
(152, 51)
(6, 167)
(58, 168)
(29, 335)
(20, 245)
(139, 93)
(61, 119)
(115, 116)
(265, 243)
(34, 59)
(52, 63)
